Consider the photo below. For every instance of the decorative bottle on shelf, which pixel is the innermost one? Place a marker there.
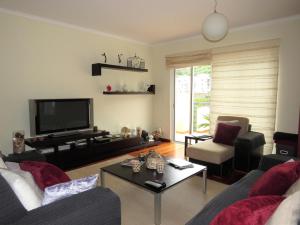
(142, 63)
(129, 61)
(136, 62)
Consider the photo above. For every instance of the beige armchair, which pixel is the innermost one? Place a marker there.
(215, 155)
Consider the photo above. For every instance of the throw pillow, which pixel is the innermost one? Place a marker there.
(277, 180)
(13, 166)
(226, 134)
(288, 212)
(63, 190)
(256, 210)
(2, 164)
(22, 189)
(294, 188)
(44, 174)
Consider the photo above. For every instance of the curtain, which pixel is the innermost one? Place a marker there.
(244, 83)
(188, 59)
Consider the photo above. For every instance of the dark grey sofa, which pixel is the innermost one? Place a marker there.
(99, 206)
(236, 191)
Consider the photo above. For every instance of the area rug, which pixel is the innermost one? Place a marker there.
(179, 204)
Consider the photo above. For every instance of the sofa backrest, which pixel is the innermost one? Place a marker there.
(10, 207)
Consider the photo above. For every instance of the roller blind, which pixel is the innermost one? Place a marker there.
(188, 59)
(244, 83)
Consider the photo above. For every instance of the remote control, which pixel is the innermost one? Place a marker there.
(155, 184)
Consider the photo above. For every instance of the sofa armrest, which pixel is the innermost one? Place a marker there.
(99, 206)
(268, 161)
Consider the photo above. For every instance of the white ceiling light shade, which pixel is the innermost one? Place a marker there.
(215, 26)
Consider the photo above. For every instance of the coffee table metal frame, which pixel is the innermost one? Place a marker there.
(157, 195)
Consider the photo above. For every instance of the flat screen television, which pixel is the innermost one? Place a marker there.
(48, 116)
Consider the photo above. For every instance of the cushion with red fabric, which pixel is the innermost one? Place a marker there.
(226, 133)
(44, 174)
(255, 210)
(277, 180)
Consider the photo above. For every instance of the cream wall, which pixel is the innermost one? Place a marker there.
(44, 60)
(288, 30)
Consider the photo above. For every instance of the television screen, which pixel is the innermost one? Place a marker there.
(60, 115)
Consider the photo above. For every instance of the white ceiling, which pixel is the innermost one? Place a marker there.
(152, 21)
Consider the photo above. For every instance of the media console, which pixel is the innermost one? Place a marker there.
(72, 151)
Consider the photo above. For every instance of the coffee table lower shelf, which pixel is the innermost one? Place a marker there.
(171, 177)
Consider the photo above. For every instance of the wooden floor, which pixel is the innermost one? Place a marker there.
(170, 149)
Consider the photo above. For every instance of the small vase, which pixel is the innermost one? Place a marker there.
(18, 141)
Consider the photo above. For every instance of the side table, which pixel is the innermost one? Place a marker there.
(32, 155)
(188, 138)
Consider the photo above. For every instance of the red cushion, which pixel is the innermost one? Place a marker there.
(226, 134)
(255, 210)
(44, 174)
(277, 180)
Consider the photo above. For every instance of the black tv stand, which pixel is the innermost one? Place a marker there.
(72, 133)
(68, 152)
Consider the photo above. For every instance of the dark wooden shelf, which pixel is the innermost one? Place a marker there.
(97, 68)
(128, 93)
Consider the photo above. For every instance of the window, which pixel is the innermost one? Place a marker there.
(192, 88)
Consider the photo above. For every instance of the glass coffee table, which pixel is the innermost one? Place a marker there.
(171, 177)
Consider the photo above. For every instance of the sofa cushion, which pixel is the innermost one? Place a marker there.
(10, 207)
(93, 207)
(288, 212)
(66, 189)
(45, 174)
(255, 210)
(277, 180)
(230, 195)
(210, 151)
(29, 199)
(13, 166)
(226, 134)
(293, 188)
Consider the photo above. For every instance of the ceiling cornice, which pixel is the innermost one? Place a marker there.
(236, 29)
(71, 26)
(93, 31)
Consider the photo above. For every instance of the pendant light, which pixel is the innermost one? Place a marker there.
(215, 26)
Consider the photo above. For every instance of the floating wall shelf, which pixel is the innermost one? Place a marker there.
(97, 67)
(128, 93)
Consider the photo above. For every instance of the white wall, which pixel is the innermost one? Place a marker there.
(288, 30)
(43, 60)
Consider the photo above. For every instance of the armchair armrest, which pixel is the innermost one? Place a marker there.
(247, 150)
(268, 161)
(99, 206)
(250, 140)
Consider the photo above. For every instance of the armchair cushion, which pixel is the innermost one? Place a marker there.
(226, 134)
(243, 122)
(210, 151)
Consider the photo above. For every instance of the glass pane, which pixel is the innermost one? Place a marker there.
(182, 102)
(200, 99)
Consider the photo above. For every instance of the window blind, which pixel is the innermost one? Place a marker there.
(188, 59)
(244, 83)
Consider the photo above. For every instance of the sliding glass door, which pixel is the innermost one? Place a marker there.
(192, 88)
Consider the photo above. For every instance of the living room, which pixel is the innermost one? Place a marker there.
(45, 55)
